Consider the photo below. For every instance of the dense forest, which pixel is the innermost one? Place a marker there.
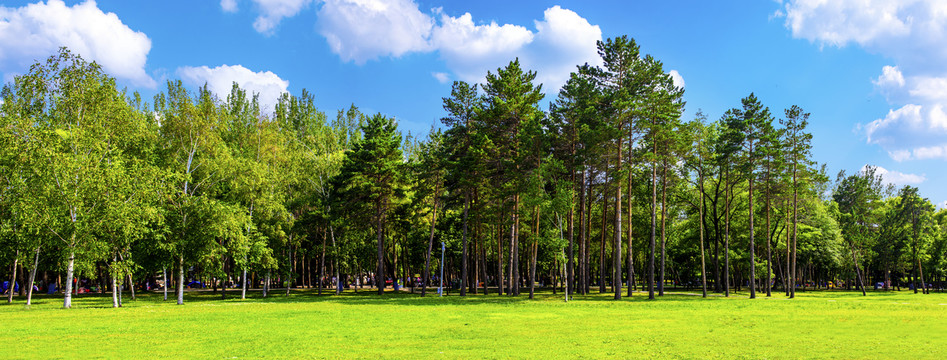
(607, 190)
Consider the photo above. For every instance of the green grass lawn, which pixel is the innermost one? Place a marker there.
(840, 325)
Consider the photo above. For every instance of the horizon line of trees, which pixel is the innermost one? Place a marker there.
(608, 188)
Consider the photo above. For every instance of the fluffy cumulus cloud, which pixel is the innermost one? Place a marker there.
(360, 30)
(896, 178)
(563, 40)
(228, 5)
(470, 49)
(36, 31)
(363, 30)
(913, 34)
(441, 77)
(271, 12)
(220, 81)
(677, 78)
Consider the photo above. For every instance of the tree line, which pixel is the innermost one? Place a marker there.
(609, 187)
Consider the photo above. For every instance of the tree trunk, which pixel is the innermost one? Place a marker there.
(322, 264)
(335, 261)
(499, 280)
(631, 258)
(430, 244)
(167, 282)
(13, 278)
(769, 245)
(29, 291)
(580, 280)
(664, 213)
(858, 273)
(570, 262)
(726, 241)
(654, 223)
(700, 210)
(795, 220)
(70, 267)
(181, 280)
(532, 254)
(114, 283)
(464, 260)
(752, 242)
(790, 278)
(515, 264)
(266, 283)
(616, 252)
(601, 258)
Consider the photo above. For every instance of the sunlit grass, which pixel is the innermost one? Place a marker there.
(840, 325)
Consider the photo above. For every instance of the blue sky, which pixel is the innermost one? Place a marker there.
(873, 73)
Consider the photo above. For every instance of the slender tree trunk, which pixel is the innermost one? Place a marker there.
(790, 278)
(570, 253)
(464, 259)
(587, 262)
(532, 255)
(726, 243)
(322, 264)
(700, 210)
(580, 281)
(601, 258)
(752, 269)
(167, 282)
(13, 278)
(112, 275)
(769, 245)
(516, 247)
(616, 252)
(920, 270)
(664, 199)
(181, 280)
(654, 223)
(430, 243)
(29, 291)
(795, 221)
(511, 269)
(500, 278)
(858, 273)
(631, 258)
(335, 263)
(266, 283)
(70, 267)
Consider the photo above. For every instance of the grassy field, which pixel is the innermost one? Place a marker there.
(837, 325)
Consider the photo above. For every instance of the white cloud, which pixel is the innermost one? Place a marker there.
(913, 34)
(942, 205)
(563, 40)
(471, 50)
(890, 81)
(910, 31)
(900, 155)
(220, 81)
(930, 152)
(228, 5)
(273, 11)
(677, 78)
(442, 78)
(35, 31)
(896, 177)
(362, 30)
